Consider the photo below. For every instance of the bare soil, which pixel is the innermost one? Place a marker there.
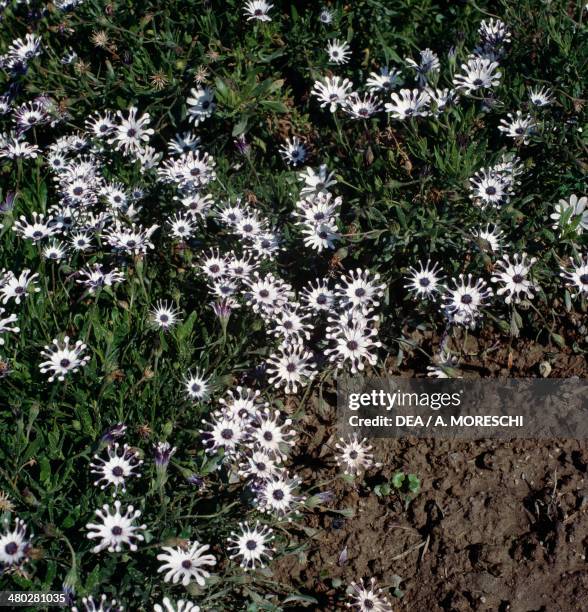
(497, 525)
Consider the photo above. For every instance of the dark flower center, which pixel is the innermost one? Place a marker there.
(186, 564)
(11, 548)
(117, 471)
(164, 318)
(291, 367)
(321, 299)
(352, 345)
(227, 434)
(279, 495)
(360, 292)
(518, 278)
(353, 455)
(584, 279)
(37, 234)
(116, 530)
(491, 191)
(65, 363)
(132, 133)
(424, 282)
(466, 299)
(251, 544)
(268, 436)
(519, 130)
(78, 191)
(264, 293)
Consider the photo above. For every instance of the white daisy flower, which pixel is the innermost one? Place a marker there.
(278, 496)
(180, 606)
(214, 265)
(408, 103)
(259, 466)
(489, 237)
(385, 80)
(6, 325)
(368, 598)
(428, 66)
(540, 96)
(240, 267)
(197, 386)
(316, 181)
(115, 530)
(269, 433)
(132, 132)
(19, 149)
(101, 125)
(291, 367)
(332, 92)
(326, 16)
(135, 240)
(257, 9)
(120, 465)
(291, 325)
(15, 545)
(320, 236)
(182, 143)
(18, 287)
(514, 277)
(251, 545)
(95, 277)
(354, 345)
(62, 358)
(362, 108)
(201, 105)
(518, 127)
(338, 51)
(426, 281)
(241, 404)
(182, 226)
(101, 605)
(186, 564)
(318, 298)
(56, 251)
(571, 211)
(267, 295)
(39, 229)
(478, 73)
(80, 241)
(164, 316)
(293, 151)
(355, 456)
(494, 32)
(225, 432)
(197, 204)
(359, 290)
(577, 276)
(463, 302)
(490, 188)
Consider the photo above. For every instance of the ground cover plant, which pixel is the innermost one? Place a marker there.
(209, 211)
